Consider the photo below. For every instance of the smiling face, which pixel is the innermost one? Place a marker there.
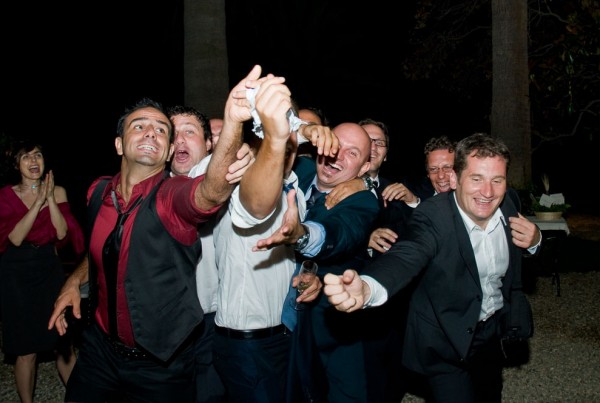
(439, 165)
(190, 146)
(481, 187)
(145, 139)
(31, 164)
(352, 159)
(378, 152)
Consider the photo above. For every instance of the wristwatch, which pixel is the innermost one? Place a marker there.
(303, 240)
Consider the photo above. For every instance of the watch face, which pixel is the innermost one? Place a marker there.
(302, 241)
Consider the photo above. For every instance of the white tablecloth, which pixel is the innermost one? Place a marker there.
(550, 225)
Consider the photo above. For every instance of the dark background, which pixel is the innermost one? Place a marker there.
(70, 70)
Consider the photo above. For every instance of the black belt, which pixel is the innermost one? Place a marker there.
(252, 334)
(124, 350)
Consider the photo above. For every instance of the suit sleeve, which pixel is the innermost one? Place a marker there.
(409, 256)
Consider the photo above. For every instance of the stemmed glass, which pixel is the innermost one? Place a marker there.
(307, 273)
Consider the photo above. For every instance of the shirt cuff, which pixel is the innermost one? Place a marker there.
(379, 294)
(414, 204)
(315, 240)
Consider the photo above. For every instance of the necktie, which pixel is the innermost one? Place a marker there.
(376, 184)
(314, 196)
(110, 261)
(287, 188)
(289, 316)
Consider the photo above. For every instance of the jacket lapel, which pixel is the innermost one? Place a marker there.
(464, 242)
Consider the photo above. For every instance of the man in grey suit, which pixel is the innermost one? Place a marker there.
(463, 249)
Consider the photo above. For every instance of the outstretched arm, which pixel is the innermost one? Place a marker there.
(348, 292)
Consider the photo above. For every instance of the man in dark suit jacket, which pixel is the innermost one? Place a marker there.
(383, 327)
(439, 163)
(333, 237)
(464, 250)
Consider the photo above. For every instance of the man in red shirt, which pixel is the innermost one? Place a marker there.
(143, 251)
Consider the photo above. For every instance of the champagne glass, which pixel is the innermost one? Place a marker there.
(308, 272)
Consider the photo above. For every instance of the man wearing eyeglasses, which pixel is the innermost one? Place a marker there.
(386, 379)
(463, 248)
(439, 164)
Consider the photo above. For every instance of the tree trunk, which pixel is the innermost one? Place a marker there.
(205, 66)
(510, 86)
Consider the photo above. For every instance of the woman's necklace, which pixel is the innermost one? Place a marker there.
(22, 189)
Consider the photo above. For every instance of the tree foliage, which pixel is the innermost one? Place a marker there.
(564, 56)
(451, 45)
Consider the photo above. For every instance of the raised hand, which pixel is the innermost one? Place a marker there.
(525, 234)
(273, 100)
(237, 107)
(49, 182)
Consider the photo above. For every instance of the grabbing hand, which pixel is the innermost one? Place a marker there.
(321, 137)
(245, 159)
(273, 101)
(382, 239)
(343, 190)
(397, 191)
(290, 229)
(237, 107)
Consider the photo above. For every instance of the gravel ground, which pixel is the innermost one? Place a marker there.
(564, 364)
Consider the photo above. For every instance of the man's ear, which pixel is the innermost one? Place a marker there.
(171, 151)
(364, 169)
(453, 180)
(119, 145)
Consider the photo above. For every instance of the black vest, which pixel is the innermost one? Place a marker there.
(160, 283)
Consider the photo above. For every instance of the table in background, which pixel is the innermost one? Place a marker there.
(553, 233)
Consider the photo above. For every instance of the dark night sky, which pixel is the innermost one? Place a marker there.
(69, 71)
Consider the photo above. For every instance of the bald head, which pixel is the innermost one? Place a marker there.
(351, 161)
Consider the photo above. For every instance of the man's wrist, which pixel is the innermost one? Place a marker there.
(303, 240)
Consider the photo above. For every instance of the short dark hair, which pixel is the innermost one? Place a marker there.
(484, 146)
(438, 143)
(379, 124)
(141, 104)
(191, 111)
(22, 147)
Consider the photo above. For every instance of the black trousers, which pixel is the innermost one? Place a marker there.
(480, 379)
(102, 374)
